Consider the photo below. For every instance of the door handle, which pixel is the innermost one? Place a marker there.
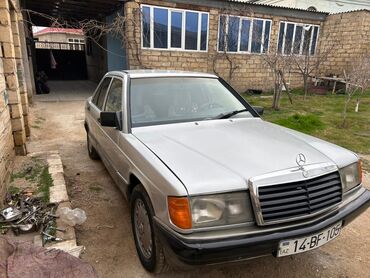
(88, 108)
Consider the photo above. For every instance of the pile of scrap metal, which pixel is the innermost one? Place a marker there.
(24, 213)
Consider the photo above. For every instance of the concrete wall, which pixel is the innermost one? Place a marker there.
(251, 71)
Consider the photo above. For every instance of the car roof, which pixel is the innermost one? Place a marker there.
(161, 73)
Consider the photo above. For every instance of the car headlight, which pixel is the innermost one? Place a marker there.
(351, 176)
(220, 209)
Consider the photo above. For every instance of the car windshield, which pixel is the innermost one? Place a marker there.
(180, 99)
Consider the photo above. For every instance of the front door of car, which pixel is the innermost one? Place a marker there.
(95, 129)
(113, 135)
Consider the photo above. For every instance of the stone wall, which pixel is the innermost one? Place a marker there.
(250, 71)
(6, 139)
(349, 34)
(13, 93)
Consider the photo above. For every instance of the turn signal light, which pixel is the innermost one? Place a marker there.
(179, 210)
(359, 164)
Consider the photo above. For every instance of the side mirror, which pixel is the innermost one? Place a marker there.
(111, 119)
(259, 109)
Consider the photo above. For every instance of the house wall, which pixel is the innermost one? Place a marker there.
(13, 90)
(58, 37)
(349, 33)
(6, 137)
(250, 70)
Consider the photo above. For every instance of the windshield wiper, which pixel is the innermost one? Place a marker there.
(230, 114)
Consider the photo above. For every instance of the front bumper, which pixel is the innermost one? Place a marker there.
(183, 251)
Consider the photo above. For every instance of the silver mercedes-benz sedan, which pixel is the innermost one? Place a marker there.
(208, 180)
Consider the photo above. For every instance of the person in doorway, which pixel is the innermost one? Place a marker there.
(41, 83)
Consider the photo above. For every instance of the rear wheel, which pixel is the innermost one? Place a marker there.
(93, 154)
(148, 246)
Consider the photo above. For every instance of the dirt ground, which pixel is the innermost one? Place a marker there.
(107, 232)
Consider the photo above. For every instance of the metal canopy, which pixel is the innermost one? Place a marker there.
(70, 10)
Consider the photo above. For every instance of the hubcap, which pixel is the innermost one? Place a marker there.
(143, 230)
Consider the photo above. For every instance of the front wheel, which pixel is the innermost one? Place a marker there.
(148, 247)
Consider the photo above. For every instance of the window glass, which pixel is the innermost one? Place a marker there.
(297, 40)
(289, 38)
(232, 34)
(257, 36)
(114, 99)
(314, 40)
(266, 39)
(146, 26)
(187, 30)
(176, 29)
(167, 100)
(244, 35)
(222, 33)
(160, 28)
(191, 33)
(306, 40)
(204, 32)
(99, 96)
(281, 37)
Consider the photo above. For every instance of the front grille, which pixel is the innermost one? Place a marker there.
(283, 202)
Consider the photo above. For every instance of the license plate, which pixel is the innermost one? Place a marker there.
(304, 244)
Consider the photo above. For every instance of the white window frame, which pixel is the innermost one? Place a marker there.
(183, 31)
(241, 18)
(302, 38)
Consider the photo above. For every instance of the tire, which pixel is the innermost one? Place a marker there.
(152, 259)
(93, 154)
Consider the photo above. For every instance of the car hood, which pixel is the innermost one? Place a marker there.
(222, 155)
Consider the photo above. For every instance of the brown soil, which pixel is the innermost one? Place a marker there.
(26, 174)
(107, 233)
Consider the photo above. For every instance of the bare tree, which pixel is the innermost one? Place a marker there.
(230, 30)
(228, 41)
(361, 76)
(357, 81)
(280, 65)
(309, 60)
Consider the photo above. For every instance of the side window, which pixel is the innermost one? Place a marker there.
(99, 96)
(114, 99)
